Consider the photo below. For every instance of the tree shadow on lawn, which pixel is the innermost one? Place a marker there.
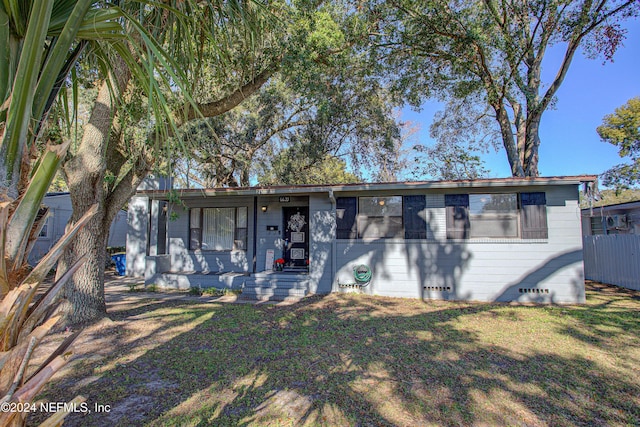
(611, 311)
(346, 360)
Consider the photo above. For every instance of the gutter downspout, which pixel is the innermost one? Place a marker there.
(334, 240)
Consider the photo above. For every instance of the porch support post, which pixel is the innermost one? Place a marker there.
(334, 242)
(255, 234)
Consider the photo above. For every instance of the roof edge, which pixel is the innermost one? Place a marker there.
(415, 185)
(614, 206)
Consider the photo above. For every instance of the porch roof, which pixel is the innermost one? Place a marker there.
(384, 186)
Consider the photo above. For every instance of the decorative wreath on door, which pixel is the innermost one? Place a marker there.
(296, 222)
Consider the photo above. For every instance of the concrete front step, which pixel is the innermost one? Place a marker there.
(276, 287)
(273, 294)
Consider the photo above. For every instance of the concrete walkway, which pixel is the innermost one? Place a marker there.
(118, 290)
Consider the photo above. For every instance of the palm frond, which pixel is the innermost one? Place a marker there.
(19, 228)
(14, 140)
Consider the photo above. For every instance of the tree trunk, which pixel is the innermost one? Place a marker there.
(99, 151)
(84, 293)
(85, 173)
(521, 131)
(508, 141)
(532, 145)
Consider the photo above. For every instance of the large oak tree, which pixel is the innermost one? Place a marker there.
(107, 162)
(492, 52)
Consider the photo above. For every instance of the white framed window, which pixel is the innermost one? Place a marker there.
(44, 232)
(380, 217)
(493, 215)
(218, 229)
(500, 215)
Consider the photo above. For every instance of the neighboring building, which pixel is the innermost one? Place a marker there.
(60, 211)
(511, 239)
(611, 240)
(621, 218)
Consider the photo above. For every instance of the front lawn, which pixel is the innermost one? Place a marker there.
(344, 360)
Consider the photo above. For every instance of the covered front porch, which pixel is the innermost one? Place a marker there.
(267, 245)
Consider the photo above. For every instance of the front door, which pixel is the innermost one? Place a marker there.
(296, 237)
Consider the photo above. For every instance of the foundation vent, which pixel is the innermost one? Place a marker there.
(349, 286)
(533, 291)
(437, 288)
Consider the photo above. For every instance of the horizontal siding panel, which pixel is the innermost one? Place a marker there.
(478, 271)
(435, 200)
(512, 260)
(496, 266)
(484, 274)
(561, 195)
(504, 252)
(483, 244)
(220, 201)
(487, 293)
(568, 230)
(501, 281)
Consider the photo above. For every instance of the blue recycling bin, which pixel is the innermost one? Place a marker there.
(121, 263)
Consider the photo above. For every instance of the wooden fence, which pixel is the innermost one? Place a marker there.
(613, 259)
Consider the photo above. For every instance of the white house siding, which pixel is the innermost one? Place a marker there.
(435, 217)
(547, 270)
(322, 232)
(137, 235)
(118, 230)
(60, 210)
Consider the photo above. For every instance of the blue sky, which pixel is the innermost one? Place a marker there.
(591, 90)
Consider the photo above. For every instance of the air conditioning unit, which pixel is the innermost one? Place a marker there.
(617, 222)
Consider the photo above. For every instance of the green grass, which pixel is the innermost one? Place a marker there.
(214, 292)
(221, 292)
(349, 359)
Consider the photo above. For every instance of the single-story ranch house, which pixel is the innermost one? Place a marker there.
(508, 239)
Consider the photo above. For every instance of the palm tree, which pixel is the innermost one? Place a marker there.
(46, 39)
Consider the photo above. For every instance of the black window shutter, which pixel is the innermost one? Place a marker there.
(534, 215)
(456, 200)
(457, 208)
(196, 238)
(346, 217)
(195, 229)
(415, 227)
